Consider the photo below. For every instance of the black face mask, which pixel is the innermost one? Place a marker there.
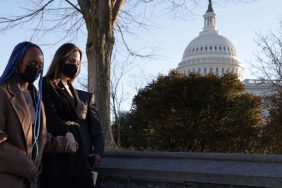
(70, 70)
(30, 74)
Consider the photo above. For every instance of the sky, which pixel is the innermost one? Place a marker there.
(168, 37)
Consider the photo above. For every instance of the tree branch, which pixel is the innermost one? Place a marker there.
(19, 18)
(75, 7)
(117, 6)
(126, 46)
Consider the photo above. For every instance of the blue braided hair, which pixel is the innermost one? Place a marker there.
(10, 69)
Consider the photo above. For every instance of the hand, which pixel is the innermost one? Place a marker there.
(33, 174)
(71, 144)
(94, 159)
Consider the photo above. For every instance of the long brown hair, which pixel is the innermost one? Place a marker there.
(63, 52)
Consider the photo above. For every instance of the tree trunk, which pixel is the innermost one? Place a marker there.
(100, 42)
(117, 122)
(99, 62)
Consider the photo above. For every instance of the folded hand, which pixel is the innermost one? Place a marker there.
(33, 174)
(71, 144)
(94, 159)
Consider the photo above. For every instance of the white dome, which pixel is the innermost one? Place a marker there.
(210, 51)
(209, 43)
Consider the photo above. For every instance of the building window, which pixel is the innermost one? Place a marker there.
(216, 70)
(222, 71)
(210, 69)
(205, 70)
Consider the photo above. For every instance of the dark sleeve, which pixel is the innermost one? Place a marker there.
(15, 161)
(55, 125)
(95, 128)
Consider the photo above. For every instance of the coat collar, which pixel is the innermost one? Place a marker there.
(77, 104)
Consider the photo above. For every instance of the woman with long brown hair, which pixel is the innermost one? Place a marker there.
(69, 109)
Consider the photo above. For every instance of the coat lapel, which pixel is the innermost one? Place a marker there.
(80, 108)
(71, 100)
(20, 107)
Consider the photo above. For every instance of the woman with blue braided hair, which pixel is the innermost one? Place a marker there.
(22, 120)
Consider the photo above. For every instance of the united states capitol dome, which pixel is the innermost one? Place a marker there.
(210, 51)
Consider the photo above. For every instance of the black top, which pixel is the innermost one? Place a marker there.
(60, 108)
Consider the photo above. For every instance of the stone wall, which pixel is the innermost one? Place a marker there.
(189, 170)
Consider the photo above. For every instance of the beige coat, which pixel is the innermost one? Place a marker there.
(15, 153)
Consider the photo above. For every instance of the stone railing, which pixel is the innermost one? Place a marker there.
(189, 170)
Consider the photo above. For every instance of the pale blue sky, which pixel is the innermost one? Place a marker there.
(169, 37)
(238, 22)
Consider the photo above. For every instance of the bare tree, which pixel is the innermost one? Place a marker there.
(269, 58)
(118, 95)
(101, 20)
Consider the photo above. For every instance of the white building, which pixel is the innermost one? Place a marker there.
(212, 52)
(262, 88)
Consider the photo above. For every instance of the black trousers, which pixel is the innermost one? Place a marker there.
(68, 182)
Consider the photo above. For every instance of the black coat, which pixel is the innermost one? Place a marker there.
(60, 108)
